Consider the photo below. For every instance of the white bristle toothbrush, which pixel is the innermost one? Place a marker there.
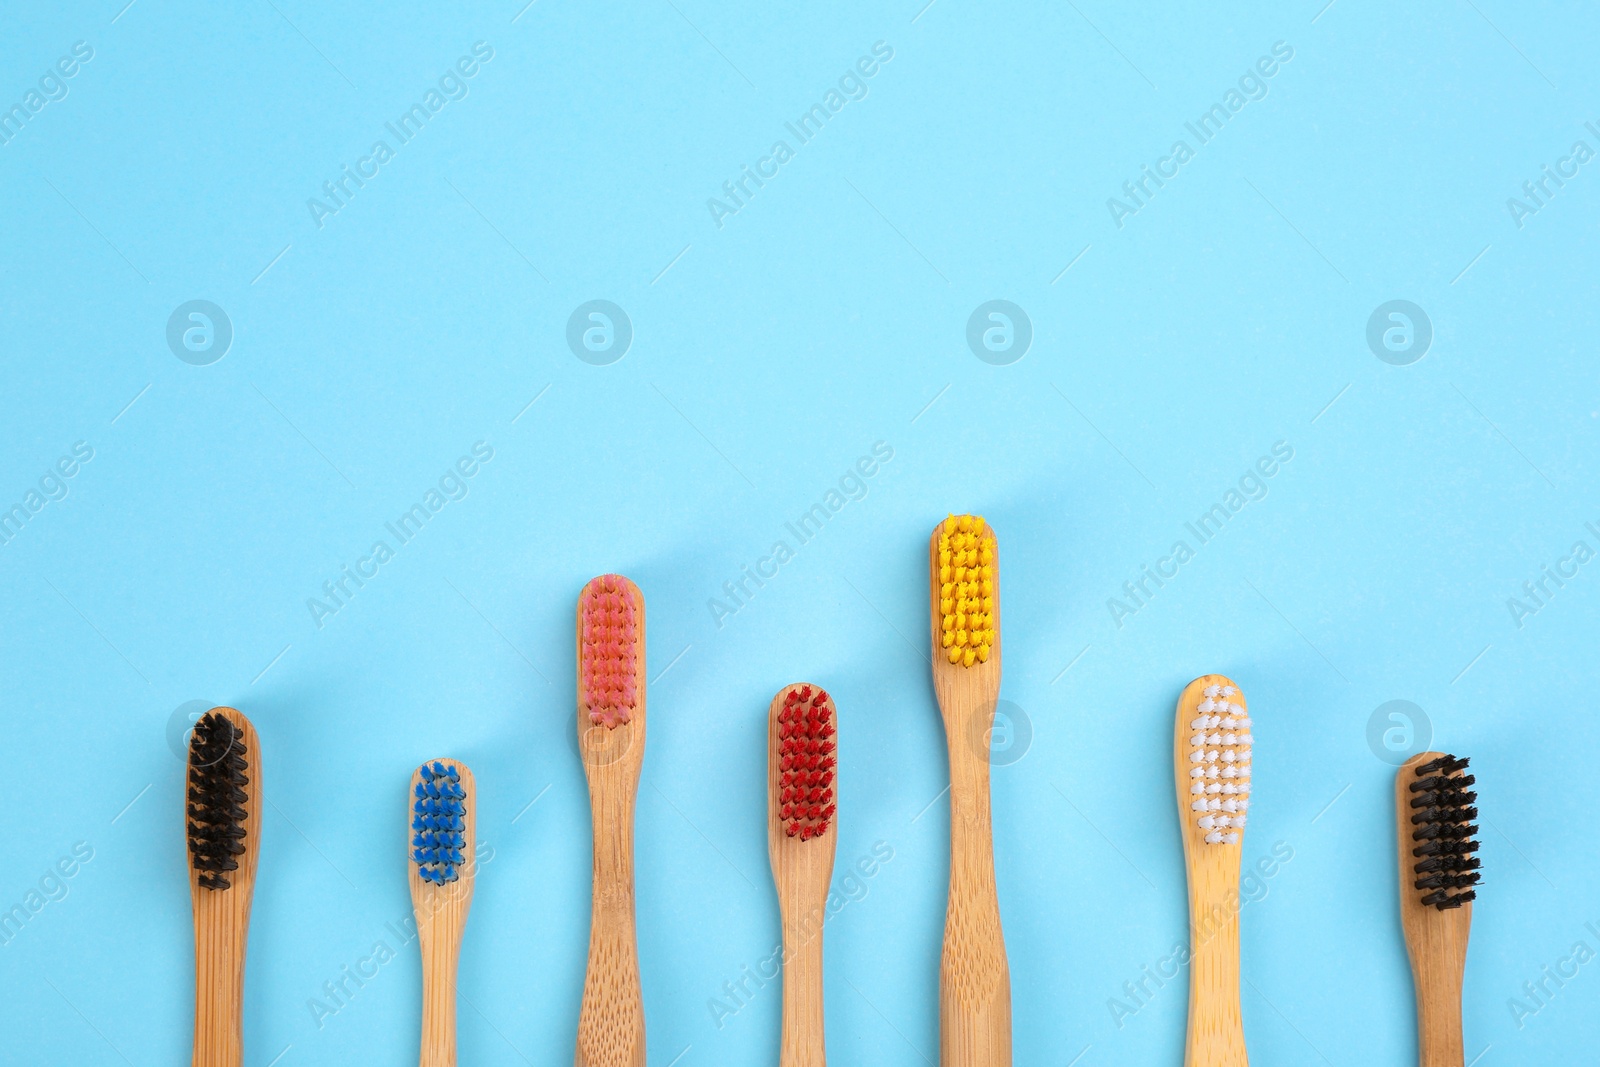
(1212, 745)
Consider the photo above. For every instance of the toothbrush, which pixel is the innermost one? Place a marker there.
(224, 834)
(1212, 744)
(611, 719)
(1433, 814)
(442, 870)
(974, 980)
(801, 746)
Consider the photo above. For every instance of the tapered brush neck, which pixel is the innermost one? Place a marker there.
(802, 739)
(964, 611)
(1212, 747)
(224, 829)
(1438, 865)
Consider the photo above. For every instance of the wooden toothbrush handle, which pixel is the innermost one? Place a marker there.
(1216, 1024)
(220, 935)
(974, 979)
(1439, 1040)
(611, 1019)
(441, 957)
(802, 1044)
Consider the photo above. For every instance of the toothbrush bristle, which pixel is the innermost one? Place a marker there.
(966, 590)
(806, 763)
(609, 650)
(438, 823)
(1219, 764)
(1445, 834)
(217, 799)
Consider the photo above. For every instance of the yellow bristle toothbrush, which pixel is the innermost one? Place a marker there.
(974, 979)
(1212, 745)
(802, 739)
(224, 832)
(611, 684)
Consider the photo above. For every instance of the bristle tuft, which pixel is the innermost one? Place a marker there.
(806, 763)
(1445, 834)
(609, 651)
(1219, 764)
(966, 590)
(217, 799)
(439, 824)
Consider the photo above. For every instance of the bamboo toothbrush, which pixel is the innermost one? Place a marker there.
(442, 871)
(1433, 815)
(801, 742)
(611, 719)
(974, 980)
(224, 833)
(1212, 744)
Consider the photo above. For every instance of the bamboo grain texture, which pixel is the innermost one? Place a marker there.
(1436, 942)
(441, 914)
(801, 871)
(974, 977)
(1215, 1036)
(222, 927)
(611, 1017)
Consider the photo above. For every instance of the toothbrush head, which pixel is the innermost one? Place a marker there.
(610, 614)
(1443, 833)
(440, 838)
(801, 793)
(220, 819)
(964, 582)
(1215, 760)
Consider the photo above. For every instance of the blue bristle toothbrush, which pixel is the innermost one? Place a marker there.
(442, 871)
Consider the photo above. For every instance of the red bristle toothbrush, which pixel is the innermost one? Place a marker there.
(611, 719)
(801, 754)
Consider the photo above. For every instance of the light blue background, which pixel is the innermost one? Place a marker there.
(769, 354)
